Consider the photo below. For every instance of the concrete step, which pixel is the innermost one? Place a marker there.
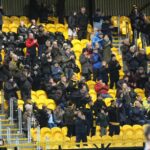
(13, 135)
(5, 126)
(13, 130)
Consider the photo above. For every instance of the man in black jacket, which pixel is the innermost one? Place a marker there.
(72, 24)
(82, 23)
(114, 119)
(81, 127)
(114, 68)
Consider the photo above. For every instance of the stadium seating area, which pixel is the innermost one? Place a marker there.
(130, 136)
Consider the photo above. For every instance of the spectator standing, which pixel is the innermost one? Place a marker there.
(86, 64)
(98, 19)
(114, 68)
(31, 44)
(82, 23)
(81, 127)
(72, 24)
(96, 64)
(114, 119)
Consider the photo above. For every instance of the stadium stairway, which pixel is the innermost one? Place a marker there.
(11, 136)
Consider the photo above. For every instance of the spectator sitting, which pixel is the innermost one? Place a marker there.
(102, 88)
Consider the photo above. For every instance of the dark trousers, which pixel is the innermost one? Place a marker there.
(40, 50)
(1, 27)
(96, 74)
(112, 83)
(71, 130)
(114, 129)
(81, 136)
(26, 94)
(87, 76)
(82, 34)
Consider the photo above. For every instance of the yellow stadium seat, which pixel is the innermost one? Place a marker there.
(76, 42)
(5, 29)
(6, 18)
(116, 141)
(112, 92)
(77, 48)
(20, 104)
(114, 49)
(13, 25)
(91, 84)
(106, 139)
(7, 22)
(148, 50)
(13, 29)
(12, 18)
(84, 42)
(23, 18)
(64, 130)
(40, 103)
(108, 101)
(89, 28)
(42, 97)
(126, 127)
(40, 92)
(55, 129)
(93, 97)
(124, 18)
(44, 131)
(60, 28)
(5, 25)
(92, 91)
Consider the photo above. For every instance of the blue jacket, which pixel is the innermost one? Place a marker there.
(96, 60)
(56, 72)
(97, 39)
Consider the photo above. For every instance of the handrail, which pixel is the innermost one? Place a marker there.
(11, 110)
(29, 129)
(20, 120)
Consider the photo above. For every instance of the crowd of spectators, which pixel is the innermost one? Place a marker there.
(48, 63)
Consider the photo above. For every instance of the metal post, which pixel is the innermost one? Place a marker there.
(20, 120)
(8, 136)
(11, 105)
(29, 129)
(38, 138)
(2, 101)
(17, 143)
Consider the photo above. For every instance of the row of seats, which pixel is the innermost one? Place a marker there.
(129, 136)
(125, 24)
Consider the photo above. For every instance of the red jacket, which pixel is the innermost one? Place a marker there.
(30, 43)
(100, 88)
(31, 47)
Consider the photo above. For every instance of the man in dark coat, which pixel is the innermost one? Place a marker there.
(86, 64)
(82, 24)
(81, 127)
(10, 89)
(22, 30)
(25, 82)
(114, 119)
(72, 25)
(114, 68)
